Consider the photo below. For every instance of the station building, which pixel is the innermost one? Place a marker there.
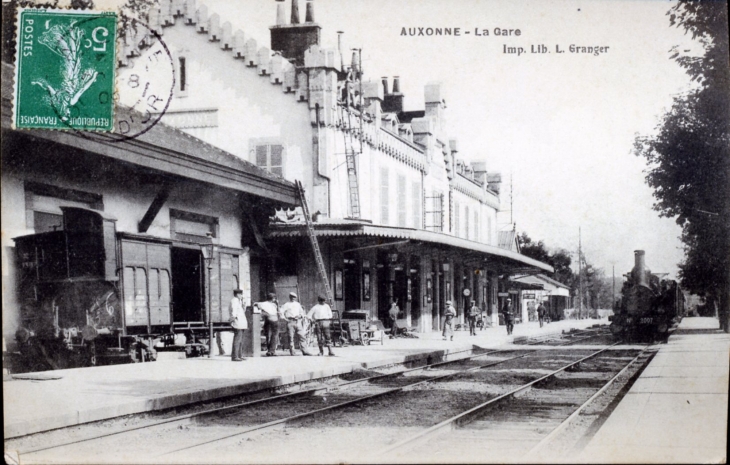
(397, 211)
(166, 197)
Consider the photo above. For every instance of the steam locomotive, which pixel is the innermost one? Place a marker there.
(89, 295)
(650, 308)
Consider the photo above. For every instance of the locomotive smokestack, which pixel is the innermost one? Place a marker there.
(640, 268)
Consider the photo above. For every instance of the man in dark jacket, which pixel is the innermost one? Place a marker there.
(509, 316)
(541, 311)
(393, 313)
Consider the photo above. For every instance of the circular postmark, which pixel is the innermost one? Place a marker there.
(143, 89)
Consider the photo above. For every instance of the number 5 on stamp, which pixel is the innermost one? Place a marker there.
(64, 69)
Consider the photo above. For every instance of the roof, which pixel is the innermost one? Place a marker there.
(163, 148)
(345, 228)
(540, 279)
(508, 240)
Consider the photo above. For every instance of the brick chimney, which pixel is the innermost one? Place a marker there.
(291, 40)
(393, 102)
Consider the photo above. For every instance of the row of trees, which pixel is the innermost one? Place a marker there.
(689, 157)
(597, 287)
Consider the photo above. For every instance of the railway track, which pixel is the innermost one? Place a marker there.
(261, 415)
(523, 419)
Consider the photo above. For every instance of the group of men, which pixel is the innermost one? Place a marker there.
(473, 317)
(297, 324)
(475, 312)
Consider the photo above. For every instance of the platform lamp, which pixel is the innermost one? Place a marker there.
(208, 251)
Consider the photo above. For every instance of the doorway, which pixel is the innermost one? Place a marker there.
(187, 285)
(352, 284)
(415, 288)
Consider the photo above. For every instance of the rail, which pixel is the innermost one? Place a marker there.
(313, 391)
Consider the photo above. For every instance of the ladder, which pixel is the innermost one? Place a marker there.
(352, 182)
(315, 244)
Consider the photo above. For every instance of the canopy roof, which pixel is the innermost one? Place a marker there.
(347, 228)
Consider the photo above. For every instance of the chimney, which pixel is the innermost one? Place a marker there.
(480, 172)
(393, 102)
(355, 66)
(294, 11)
(385, 84)
(494, 182)
(280, 21)
(640, 270)
(309, 18)
(373, 95)
(291, 40)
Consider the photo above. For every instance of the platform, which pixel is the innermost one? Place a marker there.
(677, 411)
(55, 399)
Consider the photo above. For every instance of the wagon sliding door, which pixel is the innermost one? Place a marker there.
(226, 276)
(146, 285)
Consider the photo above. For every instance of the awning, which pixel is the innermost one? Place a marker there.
(348, 228)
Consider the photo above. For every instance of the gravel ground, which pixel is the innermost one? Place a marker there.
(347, 434)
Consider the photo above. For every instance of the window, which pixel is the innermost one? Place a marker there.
(433, 215)
(45, 222)
(187, 226)
(457, 223)
(183, 74)
(476, 226)
(271, 158)
(401, 185)
(384, 196)
(466, 222)
(416, 192)
(489, 229)
(43, 204)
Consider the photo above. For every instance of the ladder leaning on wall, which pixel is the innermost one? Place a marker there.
(315, 244)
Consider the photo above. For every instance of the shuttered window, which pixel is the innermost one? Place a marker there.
(457, 223)
(401, 185)
(271, 158)
(466, 222)
(489, 229)
(416, 204)
(384, 196)
(476, 226)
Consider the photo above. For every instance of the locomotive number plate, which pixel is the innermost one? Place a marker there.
(645, 321)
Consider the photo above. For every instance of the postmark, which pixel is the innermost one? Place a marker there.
(65, 69)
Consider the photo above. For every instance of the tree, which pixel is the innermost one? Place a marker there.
(559, 259)
(689, 158)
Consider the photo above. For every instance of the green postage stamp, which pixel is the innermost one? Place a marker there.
(64, 69)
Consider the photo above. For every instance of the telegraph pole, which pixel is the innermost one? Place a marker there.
(580, 275)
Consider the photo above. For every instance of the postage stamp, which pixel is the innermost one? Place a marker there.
(65, 69)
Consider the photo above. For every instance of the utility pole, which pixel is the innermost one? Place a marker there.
(511, 202)
(580, 275)
(613, 285)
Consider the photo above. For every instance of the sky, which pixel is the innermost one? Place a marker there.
(560, 126)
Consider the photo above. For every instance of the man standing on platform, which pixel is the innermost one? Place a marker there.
(393, 314)
(449, 315)
(270, 310)
(238, 323)
(294, 316)
(474, 313)
(541, 313)
(321, 314)
(509, 316)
